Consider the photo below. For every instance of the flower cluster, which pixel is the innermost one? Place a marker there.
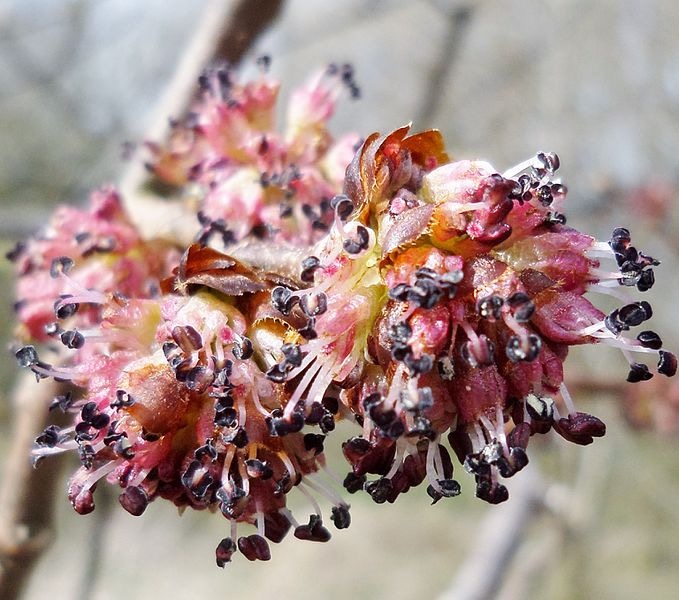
(246, 178)
(431, 302)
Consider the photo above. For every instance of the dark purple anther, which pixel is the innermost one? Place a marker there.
(254, 547)
(225, 551)
(134, 500)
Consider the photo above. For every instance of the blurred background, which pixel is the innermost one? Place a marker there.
(595, 82)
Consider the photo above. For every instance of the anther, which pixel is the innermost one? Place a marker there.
(198, 379)
(646, 280)
(556, 218)
(620, 235)
(243, 350)
(493, 493)
(379, 490)
(225, 551)
(283, 300)
(86, 455)
(549, 160)
(448, 488)
(62, 402)
(123, 400)
(516, 461)
(14, 254)
(314, 531)
(635, 314)
(226, 417)
(238, 438)
(254, 547)
(263, 62)
(490, 307)
(650, 339)
(277, 373)
(187, 338)
(420, 365)
(53, 329)
(61, 264)
(667, 364)
(258, 469)
(360, 243)
(331, 404)
(523, 350)
(314, 414)
(314, 442)
(292, 354)
(340, 516)
(425, 293)
(309, 266)
(134, 500)
(63, 310)
(309, 331)
(27, 356)
(49, 438)
(401, 332)
(327, 423)
(72, 339)
(353, 483)
(207, 450)
(638, 372)
(540, 408)
(399, 292)
(522, 306)
(342, 205)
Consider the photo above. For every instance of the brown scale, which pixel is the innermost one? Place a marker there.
(161, 402)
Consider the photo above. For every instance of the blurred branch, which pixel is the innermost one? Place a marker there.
(26, 494)
(500, 536)
(459, 18)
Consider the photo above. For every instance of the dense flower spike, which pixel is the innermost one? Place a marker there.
(431, 302)
(250, 178)
(79, 255)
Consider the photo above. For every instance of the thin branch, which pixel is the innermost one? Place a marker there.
(501, 534)
(458, 20)
(26, 494)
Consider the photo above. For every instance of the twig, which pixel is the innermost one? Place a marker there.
(458, 20)
(501, 533)
(26, 494)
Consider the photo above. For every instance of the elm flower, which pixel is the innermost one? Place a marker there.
(82, 250)
(431, 302)
(474, 289)
(171, 401)
(249, 178)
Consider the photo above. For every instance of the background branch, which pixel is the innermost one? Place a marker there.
(27, 494)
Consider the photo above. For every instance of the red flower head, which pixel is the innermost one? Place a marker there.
(444, 300)
(249, 177)
(174, 402)
(432, 302)
(80, 253)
